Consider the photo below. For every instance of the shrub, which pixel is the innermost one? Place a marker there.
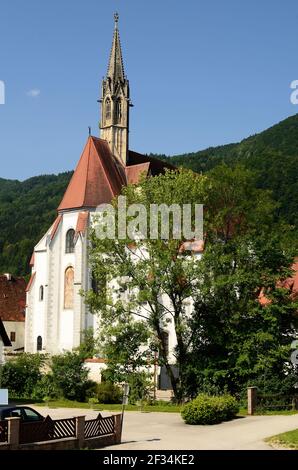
(109, 393)
(91, 388)
(140, 387)
(206, 409)
(21, 374)
(92, 402)
(69, 376)
(46, 389)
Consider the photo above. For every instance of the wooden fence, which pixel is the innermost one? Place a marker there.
(46, 430)
(99, 427)
(50, 429)
(60, 434)
(3, 431)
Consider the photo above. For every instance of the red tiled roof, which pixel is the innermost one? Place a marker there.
(32, 260)
(98, 360)
(12, 298)
(290, 283)
(156, 166)
(134, 172)
(196, 246)
(55, 226)
(98, 177)
(82, 222)
(30, 282)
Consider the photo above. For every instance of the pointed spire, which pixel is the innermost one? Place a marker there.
(116, 69)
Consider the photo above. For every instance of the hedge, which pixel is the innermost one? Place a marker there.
(206, 409)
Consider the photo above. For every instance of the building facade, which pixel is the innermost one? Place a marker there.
(12, 309)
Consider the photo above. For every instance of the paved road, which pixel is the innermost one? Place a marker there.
(164, 431)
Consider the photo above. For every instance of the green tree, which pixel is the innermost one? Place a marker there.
(162, 272)
(228, 338)
(239, 339)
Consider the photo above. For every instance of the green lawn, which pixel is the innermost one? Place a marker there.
(286, 439)
(102, 407)
(160, 407)
(243, 412)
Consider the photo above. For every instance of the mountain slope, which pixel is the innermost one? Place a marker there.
(273, 154)
(27, 209)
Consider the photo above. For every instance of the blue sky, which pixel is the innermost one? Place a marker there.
(202, 73)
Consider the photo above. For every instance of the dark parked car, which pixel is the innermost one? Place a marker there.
(28, 432)
(24, 412)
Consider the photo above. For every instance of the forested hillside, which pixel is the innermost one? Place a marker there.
(273, 154)
(28, 208)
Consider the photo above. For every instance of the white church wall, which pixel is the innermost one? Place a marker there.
(66, 316)
(66, 331)
(54, 293)
(95, 368)
(41, 277)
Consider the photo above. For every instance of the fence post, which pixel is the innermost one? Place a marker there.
(14, 432)
(117, 428)
(80, 430)
(251, 400)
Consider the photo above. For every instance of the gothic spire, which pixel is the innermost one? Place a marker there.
(115, 102)
(115, 68)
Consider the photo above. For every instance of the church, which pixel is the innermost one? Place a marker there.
(56, 315)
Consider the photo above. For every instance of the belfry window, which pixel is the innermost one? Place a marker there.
(108, 108)
(118, 110)
(69, 242)
(68, 288)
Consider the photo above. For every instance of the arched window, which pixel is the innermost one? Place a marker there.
(68, 288)
(69, 242)
(108, 108)
(39, 343)
(41, 291)
(118, 110)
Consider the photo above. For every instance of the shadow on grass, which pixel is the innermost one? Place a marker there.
(23, 401)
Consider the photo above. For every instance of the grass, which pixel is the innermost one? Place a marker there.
(287, 439)
(243, 412)
(170, 408)
(160, 407)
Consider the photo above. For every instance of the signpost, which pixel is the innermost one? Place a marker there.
(124, 402)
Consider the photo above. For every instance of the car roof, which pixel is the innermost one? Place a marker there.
(12, 407)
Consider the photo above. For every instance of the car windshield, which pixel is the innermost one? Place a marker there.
(31, 415)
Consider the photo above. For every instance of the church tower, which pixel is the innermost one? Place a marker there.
(56, 314)
(115, 102)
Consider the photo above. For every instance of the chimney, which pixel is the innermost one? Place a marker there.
(8, 276)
